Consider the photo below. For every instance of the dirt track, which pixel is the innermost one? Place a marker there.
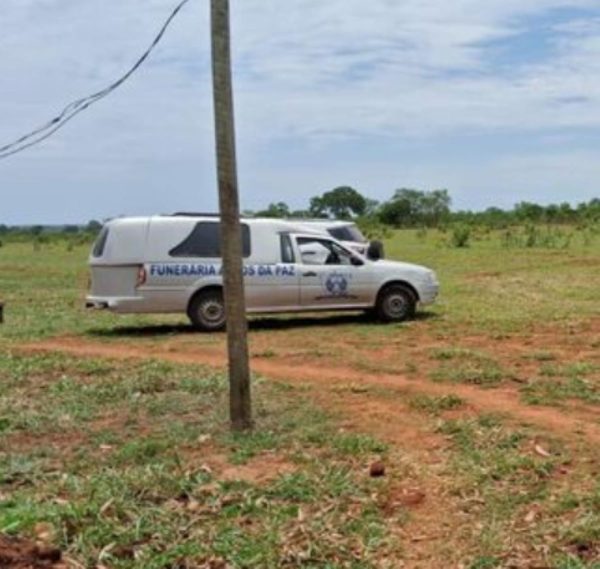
(573, 420)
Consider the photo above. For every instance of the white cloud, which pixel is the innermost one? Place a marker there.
(423, 69)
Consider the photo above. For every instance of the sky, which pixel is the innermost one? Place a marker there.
(496, 100)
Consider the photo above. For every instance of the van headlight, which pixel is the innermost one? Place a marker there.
(432, 277)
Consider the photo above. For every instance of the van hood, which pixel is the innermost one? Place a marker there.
(419, 270)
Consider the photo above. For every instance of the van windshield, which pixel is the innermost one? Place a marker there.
(347, 233)
(98, 249)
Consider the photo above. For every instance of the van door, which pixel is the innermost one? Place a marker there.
(331, 276)
(274, 287)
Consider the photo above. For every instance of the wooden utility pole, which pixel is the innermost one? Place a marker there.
(231, 234)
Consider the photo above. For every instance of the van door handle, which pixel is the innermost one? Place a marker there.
(309, 274)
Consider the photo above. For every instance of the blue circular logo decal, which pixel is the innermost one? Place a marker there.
(336, 284)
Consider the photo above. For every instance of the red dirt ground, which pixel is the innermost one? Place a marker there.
(17, 553)
(572, 420)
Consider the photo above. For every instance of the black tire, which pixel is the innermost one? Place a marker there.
(396, 303)
(207, 311)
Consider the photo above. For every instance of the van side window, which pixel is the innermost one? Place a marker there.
(315, 251)
(100, 243)
(205, 241)
(287, 251)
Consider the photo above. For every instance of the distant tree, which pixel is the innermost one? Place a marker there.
(566, 213)
(342, 202)
(300, 214)
(36, 230)
(434, 207)
(402, 209)
(589, 211)
(495, 217)
(279, 209)
(409, 208)
(71, 229)
(93, 226)
(527, 211)
(552, 213)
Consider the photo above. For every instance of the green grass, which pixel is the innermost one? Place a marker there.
(576, 370)
(115, 457)
(436, 405)
(541, 356)
(467, 366)
(357, 445)
(492, 288)
(502, 481)
(558, 383)
(557, 393)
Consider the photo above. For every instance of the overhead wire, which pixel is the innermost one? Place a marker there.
(45, 131)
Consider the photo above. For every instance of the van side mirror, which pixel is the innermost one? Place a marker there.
(375, 251)
(356, 262)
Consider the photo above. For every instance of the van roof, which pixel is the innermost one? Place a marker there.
(295, 221)
(194, 214)
(325, 222)
(281, 225)
(322, 222)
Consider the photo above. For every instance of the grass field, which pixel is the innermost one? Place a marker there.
(485, 411)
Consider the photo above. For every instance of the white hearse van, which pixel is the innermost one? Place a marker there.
(172, 264)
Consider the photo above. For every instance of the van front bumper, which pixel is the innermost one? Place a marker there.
(428, 293)
(114, 303)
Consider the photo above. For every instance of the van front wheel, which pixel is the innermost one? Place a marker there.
(207, 311)
(395, 304)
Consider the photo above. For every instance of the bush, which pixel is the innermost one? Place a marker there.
(460, 236)
(537, 236)
(372, 228)
(589, 233)
(421, 233)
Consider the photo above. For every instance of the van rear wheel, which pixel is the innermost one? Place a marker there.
(396, 303)
(207, 311)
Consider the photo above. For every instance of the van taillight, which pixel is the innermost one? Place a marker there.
(141, 276)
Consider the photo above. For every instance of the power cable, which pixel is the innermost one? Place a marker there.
(73, 109)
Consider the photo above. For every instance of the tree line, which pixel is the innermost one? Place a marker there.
(410, 208)
(407, 208)
(47, 234)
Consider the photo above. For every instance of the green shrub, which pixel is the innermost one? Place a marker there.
(372, 228)
(536, 236)
(421, 233)
(460, 236)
